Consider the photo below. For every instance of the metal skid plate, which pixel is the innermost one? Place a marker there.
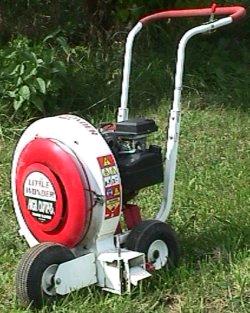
(120, 270)
(75, 274)
(116, 272)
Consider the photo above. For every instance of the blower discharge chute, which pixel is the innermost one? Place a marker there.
(72, 183)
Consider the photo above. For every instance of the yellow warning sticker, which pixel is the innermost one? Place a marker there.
(106, 161)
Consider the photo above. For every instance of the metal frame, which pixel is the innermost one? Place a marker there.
(175, 115)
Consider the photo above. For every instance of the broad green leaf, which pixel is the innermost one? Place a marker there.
(12, 55)
(38, 102)
(24, 92)
(11, 94)
(22, 68)
(39, 61)
(41, 84)
(33, 72)
(34, 56)
(32, 89)
(16, 69)
(18, 103)
(19, 81)
(48, 83)
(63, 43)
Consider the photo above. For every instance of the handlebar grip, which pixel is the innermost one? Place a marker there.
(236, 13)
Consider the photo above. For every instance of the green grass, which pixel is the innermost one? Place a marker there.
(210, 214)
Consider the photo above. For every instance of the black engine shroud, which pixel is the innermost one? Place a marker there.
(141, 169)
(140, 166)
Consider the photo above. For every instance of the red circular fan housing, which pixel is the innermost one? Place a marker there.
(53, 193)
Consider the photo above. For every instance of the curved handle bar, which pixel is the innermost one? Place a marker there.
(235, 12)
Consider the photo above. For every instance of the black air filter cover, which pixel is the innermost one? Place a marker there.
(136, 126)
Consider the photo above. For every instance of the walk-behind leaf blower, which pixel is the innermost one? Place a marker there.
(72, 184)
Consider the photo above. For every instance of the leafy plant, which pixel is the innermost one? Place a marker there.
(31, 76)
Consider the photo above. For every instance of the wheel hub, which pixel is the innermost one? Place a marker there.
(48, 283)
(158, 254)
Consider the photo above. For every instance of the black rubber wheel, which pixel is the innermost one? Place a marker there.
(30, 272)
(158, 241)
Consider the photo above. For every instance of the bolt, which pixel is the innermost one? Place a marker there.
(58, 281)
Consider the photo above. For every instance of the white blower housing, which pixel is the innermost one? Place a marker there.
(65, 183)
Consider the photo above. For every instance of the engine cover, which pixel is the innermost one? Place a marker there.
(65, 183)
(140, 169)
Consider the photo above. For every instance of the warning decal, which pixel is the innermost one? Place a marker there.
(113, 192)
(112, 208)
(112, 187)
(106, 161)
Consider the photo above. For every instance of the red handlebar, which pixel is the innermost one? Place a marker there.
(236, 12)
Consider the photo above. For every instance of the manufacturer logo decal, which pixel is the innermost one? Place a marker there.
(41, 196)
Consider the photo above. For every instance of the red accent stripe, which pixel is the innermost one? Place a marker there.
(236, 12)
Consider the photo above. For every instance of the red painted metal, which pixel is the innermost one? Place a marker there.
(73, 202)
(236, 12)
(132, 215)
